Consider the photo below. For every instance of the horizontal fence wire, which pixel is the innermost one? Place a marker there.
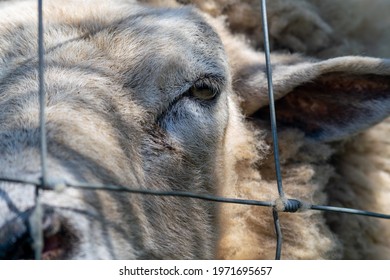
(290, 205)
(250, 202)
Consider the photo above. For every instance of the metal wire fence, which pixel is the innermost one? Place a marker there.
(289, 205)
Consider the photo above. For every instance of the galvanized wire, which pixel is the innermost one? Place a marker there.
(42, 94)
(274, 129)
(208, 197)
(267, 52)
(37, 216)
(349, 211)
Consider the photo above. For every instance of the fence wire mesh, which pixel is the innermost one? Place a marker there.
(289, 205)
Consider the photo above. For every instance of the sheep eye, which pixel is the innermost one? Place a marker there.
(202, 92)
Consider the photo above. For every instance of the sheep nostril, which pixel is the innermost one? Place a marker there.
(56, 237)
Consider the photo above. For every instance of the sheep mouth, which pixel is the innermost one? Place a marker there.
(16, 242)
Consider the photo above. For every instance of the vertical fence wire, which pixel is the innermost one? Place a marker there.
(267, 52)
(35, 220)
(271, 98)
(42, 95)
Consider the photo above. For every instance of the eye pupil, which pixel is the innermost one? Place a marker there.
(203, 93)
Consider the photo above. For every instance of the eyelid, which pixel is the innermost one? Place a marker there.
(213, 82)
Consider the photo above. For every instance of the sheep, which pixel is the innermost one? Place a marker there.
(135, 101)
(319, 29)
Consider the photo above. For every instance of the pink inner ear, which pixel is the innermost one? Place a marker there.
(333, 102)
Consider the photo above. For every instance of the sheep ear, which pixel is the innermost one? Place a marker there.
(328, 100)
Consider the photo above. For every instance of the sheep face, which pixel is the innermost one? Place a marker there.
(135, 97)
